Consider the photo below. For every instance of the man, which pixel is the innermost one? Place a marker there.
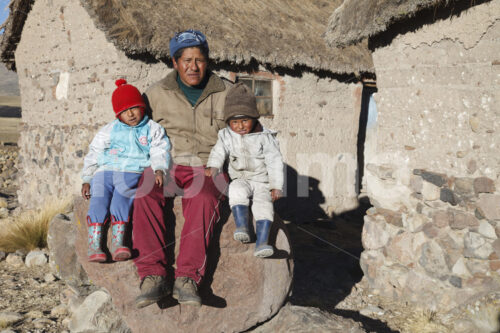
(189, 104)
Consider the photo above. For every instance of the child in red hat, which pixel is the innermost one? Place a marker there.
(117, 156)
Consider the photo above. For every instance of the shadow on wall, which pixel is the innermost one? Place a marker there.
(326, 249)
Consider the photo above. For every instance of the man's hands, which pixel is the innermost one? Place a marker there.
(276, 194)
(86, 191)
(159, 178)
(211, 172)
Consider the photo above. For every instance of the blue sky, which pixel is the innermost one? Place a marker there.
(4, 11)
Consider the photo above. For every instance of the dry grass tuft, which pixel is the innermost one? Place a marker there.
(423, 321)
(29, 230)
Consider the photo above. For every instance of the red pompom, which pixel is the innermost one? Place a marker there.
(120, 82)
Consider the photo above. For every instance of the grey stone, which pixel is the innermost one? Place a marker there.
(476, 246)
(496, 246)
(371, 310)
(373, 235)
(489, 206)
(487, 230)
(391, 217)
(430, 230)
(293, 318)
(59, 311)
(451, 256)
(416, 183)
(14, 259)
(34, 314)
(35, 258)
(9, 318)
(400, 248)
(430, 191)
(471, 166)
(442, 218)
(433, 260)
(477, 267)
(447, 195)
(462, 220)
(484, 185)
(370, 262)
(381, 171)
(464, 185)
(455, 281)
(21, 252)
(451, 241)
(93, 314)
(416, 222)
(61, 243)
(437, 179)
(460, 268)
(2, 255)
(42, 322)
(49, 277)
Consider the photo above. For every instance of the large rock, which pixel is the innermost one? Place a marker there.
(292, 318)
(96, 314)
(239, 290)
(61, 243)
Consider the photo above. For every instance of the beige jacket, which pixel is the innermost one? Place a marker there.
(192, 130)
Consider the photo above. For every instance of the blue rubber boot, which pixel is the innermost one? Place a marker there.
(240, 213)
(95, 254)
(262, 248)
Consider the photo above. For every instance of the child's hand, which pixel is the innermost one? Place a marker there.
(211, 172)
(276, 194)
(86, 191)
(159, 178)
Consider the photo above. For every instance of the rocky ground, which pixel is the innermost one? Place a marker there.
(328, 282)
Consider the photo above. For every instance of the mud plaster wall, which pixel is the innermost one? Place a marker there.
(67, 69)
(438, 138)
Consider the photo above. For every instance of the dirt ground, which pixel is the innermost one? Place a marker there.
(9, 129)
(10, 113)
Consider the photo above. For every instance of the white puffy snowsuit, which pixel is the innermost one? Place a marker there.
(255, 167)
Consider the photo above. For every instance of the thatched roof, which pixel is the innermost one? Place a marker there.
(355, 20)
(13, 26)
(281, 33)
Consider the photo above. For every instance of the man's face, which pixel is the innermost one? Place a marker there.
(191, 66)
(132, 116)
(241, 126)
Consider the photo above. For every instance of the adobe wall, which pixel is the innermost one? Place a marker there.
(67, 70)
(432, 237)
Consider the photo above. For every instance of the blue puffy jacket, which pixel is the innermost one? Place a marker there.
(120, 147)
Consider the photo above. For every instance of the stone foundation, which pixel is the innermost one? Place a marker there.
(441, 249)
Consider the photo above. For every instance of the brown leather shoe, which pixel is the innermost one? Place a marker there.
(186, 291)
(153, 288)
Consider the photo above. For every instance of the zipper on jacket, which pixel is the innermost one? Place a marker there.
(194, 130)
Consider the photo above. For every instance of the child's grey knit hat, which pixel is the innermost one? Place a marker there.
(240, 101)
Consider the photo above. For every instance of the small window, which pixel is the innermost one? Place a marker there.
(263, 90)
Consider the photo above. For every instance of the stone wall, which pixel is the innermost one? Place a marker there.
(432, 237)
(67, 70)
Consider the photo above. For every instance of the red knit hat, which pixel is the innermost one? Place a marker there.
(126, 96)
